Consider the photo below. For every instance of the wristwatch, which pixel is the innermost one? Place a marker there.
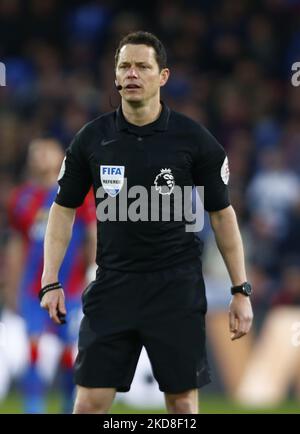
(245, 289)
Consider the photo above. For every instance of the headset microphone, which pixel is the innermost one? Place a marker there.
(119, 87)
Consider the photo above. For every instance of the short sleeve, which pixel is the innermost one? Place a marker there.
(75, 177)
(211, 171)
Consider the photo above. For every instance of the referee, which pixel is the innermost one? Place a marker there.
(149, 289)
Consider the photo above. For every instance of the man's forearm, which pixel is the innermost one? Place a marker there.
(229, 242)
(57, 238)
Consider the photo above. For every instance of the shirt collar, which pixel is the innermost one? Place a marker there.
(160, 124)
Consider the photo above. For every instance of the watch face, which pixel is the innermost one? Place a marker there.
(247, 289)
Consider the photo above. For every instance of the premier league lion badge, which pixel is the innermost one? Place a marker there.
(164, 181)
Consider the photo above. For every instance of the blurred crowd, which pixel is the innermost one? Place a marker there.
(230, 67)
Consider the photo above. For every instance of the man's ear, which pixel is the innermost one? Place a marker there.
(164, 76)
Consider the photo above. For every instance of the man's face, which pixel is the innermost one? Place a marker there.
(138, 73)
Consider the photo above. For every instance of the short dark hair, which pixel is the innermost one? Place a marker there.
(144, 38)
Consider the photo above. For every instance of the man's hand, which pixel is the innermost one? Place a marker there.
(54, 302)
(240, 316)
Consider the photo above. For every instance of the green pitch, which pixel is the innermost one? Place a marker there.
(208, 405)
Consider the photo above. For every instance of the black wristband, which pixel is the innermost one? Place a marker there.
(50, 287)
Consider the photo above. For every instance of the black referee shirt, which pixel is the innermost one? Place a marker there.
(174, 148)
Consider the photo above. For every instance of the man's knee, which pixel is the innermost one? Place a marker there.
(182, 403)
(88, 408)
(93, 401)
(181, 406)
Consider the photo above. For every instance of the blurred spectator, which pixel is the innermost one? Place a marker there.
(273, 191)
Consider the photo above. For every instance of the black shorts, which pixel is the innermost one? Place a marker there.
(161, 310)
